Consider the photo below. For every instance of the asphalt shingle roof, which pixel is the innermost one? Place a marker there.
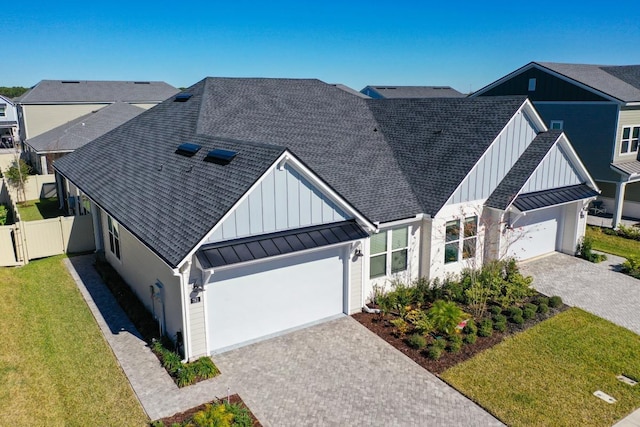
(522, 170)
(621, 82)
(61, 91)
(78, 132)
(414, 91)
(390, 159)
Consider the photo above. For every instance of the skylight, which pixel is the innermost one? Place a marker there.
(220, 156)
(188, 149)
(182, 97)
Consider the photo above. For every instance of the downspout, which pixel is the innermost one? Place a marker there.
(183, 273)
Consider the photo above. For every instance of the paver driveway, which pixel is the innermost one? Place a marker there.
(340, 374)
(597, 288)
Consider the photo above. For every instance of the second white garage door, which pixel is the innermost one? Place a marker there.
(537, 233)
(253, 301)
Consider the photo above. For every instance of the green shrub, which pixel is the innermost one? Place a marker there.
(455, 343)
(434, 353)
(555, 301)
(204, 368)
(495, 310)
(518, 320)
(213, 416)
(500, 326)
(528, 313)
(424, 326)
(486, 328)
(628, 232)
(4, 212)
(157, 423)
(241, 417)
(439, 343)
(185, 376)
(470, 328)
(417, 341)
(585, 248)
(171, 361)
(531, 307)
(470, 338)
(414, 316)
(543, 308)
(445, 316)
(542, 300)
(631, 266)
(515, 311)
(402, 327)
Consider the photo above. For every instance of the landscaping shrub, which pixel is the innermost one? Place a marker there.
(555, 301)
(470, 327)
(453, 290)
(4, 212)
(435, 350)
(213, 415)
(402, 327)
(445, 316)
(486, 328)
(417, 341)
(455, 343)
(185, 375)
(470, 338)
(628, 232)
(542, 300)
(518, 319)
(204, 368)
(414, 316)
(531, 306)
(528, 313)
(500, 322)
(585, 248)
(495, 310)
(424, 326)
(241, 417)
(631, 266)
(515, 311)
(543, 308)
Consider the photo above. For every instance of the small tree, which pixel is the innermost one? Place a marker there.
(17, 176)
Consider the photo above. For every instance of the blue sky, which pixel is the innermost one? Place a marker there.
(462, 44)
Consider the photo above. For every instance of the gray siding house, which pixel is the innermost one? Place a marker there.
(244, 208)
(598, 107)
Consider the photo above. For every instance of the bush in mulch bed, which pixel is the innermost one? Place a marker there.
(182, 373)
(223, 412)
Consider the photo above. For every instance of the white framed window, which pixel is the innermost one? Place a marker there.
(557, 125)
(532, 85)
(460, 242)
(114, 236)
(3, 110)
(388, 252)
(629, 142)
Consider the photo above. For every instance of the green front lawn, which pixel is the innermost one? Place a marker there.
(55, 366)
(615, 245)
(34, 210)
(547, 374)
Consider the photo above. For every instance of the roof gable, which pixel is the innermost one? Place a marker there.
(378, 92)
(75, 91)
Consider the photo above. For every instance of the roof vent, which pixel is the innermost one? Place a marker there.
(70, 81)
(220, 156)
(188, 149)
(182, 97)
(141, 83)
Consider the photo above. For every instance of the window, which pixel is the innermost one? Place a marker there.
(557, 124)
(629, 143)
(389, 250)
(114, 236)
(532, 85)
(460, 244)
(2, 110)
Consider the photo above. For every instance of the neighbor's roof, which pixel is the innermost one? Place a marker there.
(63, 91)
(412, 92)
(384, 157)
(78, 132)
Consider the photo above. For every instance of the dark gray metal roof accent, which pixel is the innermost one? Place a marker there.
(412, 92)
(522, 170)
(280, 243)
(555, 196)
(57, 91)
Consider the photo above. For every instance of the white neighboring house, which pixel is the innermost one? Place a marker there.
(244, 208)
(9, 132)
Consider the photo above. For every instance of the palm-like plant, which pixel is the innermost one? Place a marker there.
(445, 316)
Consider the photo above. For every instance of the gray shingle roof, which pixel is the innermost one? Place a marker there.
(412, 92)
(382, 156)
(61, 91)
(78, 132)
(524, 167)
(437, 141)
(621, 82)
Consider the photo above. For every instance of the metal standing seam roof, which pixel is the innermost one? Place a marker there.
(630, 168)
(279, 243)
(552, 197)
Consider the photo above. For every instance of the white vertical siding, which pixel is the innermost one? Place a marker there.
(555, 171)
(355, 283)
(284, 200)
(496, 161)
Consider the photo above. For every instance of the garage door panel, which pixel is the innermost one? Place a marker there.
(537, 233)
(249, 302)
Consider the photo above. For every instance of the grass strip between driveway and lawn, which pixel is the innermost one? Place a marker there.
(55, 366)
(615, 245)
(547, 374)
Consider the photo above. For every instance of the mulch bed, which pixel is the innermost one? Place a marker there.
(183, 416)
(381, 327)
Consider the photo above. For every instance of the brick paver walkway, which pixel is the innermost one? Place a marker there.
(333, 374)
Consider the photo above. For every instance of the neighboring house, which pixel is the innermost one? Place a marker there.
(242, 208)
(8, 122)
(55, 143)
(52, 103)
(378, 92)
(598, 106)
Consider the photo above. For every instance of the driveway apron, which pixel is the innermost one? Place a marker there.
(597, 288)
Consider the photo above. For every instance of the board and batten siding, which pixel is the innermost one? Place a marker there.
(355, 283)
(283, 200)
(553, 172)
(496, 162)
(629, 116)
(197, 328)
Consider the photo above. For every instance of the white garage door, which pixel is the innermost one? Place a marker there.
(257, 300)
(537, 233)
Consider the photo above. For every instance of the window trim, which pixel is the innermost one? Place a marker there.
(113, 230)
(629, 140)
(389, 252)
(459, 242)
(558, 122)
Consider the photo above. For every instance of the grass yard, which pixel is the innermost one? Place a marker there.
(55, 366)
(546, 375)
(34, 210)
(615, 245)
